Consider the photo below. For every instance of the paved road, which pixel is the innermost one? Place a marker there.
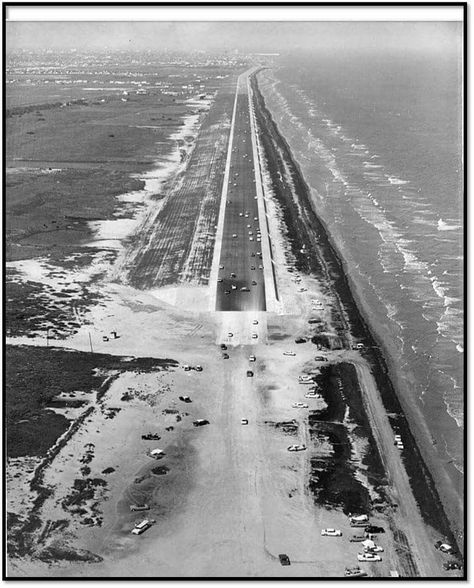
(240, 250)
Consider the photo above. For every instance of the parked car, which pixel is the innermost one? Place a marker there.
(200, 422)
(296, 447)
(254, 336)
(312, 395)
(357, 538)
(244, 289)
(452, 565)
(299, 405)
(255, 322)
(225, 356)
(185, 399)
(444, 547)
(226, 291)
(354, 572)
(374, 529)
(244, 422)
(198, 368)
(141, 527)
(300, 340)
(220, 280)
(331, 533)
(254, 283)
(230, 334)
(139, 507)
(368, 557)
(284, 559)
(289, 353)
(223, 346)
(249, 374)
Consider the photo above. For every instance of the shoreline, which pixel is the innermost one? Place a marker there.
(361, 329)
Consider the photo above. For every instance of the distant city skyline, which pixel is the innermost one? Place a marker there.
(242, 36)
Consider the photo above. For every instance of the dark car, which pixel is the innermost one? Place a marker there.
(225, 356)
(185, 399)
(452, 565)
(284, 559)
(374, 529)
(223, 346)
(200, 422)
(249, 374)
(300, 340)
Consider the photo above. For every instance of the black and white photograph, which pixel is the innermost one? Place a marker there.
(233, 291)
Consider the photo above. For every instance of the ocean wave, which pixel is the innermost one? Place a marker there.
(443, 226)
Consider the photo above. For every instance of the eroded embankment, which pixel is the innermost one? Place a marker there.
(315, 254)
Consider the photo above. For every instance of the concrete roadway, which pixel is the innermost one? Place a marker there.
(241, 219)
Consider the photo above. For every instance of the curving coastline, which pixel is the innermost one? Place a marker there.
(307, 231)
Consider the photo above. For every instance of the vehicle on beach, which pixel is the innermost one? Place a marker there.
(296, 448)
(139, 507)
(187, 368)
(244, 421)
(452, 565)
(445, 547)
(252, 358)
(250, 238)
(221, 267)
(234, 236)
(312, 395)
(289, 353)
(355, 572)
(234, 287)
(141, 527)
(223, 346)
(299, 405)
(219, 280)
(198, 368)
(374, 529)
(284, 559)
(230, 334)
(151, 437)
(255, 322)
(245, 289)
(185, 399)
(368, 557)
(200, 422)
(320, 358)
(305, 378)
(249, 374)
(362, 518)
(254, 336)
(232, 275)
(331, 533)
(357, 538)
(252, 267)
(254, 283)
(225, 356)
(226, 291)
(300, 340)
(374, 549)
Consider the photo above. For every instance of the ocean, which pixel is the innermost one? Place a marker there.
(378, 138)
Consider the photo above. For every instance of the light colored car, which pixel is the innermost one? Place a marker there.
(252, 358)
(234, 236)
(255, 218)
(375, 549)
(244, 422)
(244, 289)
(254, 336)
(255, 322)
(290, 353)
(220, 280)
(296, 448)
(230, 334)
(234, 287)
(221, 267)
(368, 557)
(299, 405)
(250, 238)
(312, 395)
(331, 533)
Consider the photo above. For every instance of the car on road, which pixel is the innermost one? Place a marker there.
(296, 448)
(244, 289)
(299, 405)
(254, 336)
(244, 421)
(234, 236)
(284, 559)
(368, 557)
(290, 353)
(255, 218)
(331, 533)
(260, 266)
(232, 275)
(234, 287)
(220, 280)
(252, 358)
(225, 356)
(221, 267)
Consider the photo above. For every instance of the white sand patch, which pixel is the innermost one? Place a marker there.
(19, 473)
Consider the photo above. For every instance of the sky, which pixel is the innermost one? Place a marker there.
(282, 37)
